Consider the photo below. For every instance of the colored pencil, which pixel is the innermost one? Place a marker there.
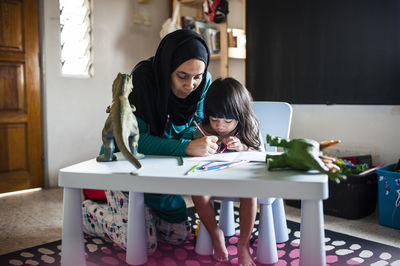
(198, 127)
(207, 164)
(234, 164)
(215, 165)
(180, 160)
(227, 145)
(371, 170)
(193, 169)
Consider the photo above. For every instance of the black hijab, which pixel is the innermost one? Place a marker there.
(151, 80)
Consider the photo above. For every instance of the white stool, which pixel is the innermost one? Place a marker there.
(272, 228)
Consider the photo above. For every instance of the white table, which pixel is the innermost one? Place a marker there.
(164, 175)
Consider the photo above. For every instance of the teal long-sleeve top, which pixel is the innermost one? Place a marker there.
(171, 208)
(175, 138)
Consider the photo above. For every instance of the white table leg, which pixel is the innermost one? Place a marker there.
(204, 244)
(227, 218)
(266, 249)
(136, 250)
(73, 249)
(280, 225)
(312, 234)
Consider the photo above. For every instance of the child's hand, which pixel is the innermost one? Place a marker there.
(234, 144)
(204, 146)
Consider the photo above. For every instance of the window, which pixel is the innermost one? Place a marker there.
(76, 38)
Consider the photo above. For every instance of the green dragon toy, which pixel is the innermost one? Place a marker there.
(304, 154)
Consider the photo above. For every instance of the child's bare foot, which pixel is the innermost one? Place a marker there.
(220, 251)
(244, 257)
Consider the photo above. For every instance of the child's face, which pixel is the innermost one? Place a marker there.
(222, 126)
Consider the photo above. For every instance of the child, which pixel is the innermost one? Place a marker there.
(229, 115)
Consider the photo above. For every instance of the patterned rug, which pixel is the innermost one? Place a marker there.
(340, 249)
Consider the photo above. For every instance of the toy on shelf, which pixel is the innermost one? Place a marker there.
(304, 154)
(121, 125)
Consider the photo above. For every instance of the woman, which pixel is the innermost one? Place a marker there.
(168, 93)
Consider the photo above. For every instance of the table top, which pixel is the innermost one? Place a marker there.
(163, 174)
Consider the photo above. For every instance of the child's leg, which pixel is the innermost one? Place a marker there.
(207, 216)
(247, 216)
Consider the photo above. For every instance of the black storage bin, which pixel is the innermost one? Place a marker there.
(354, 198)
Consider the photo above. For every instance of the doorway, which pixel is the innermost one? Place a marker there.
(21, 162)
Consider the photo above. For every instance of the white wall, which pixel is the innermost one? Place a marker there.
(363, 129)
(74, 109)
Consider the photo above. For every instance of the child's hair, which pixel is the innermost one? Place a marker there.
(228, 98)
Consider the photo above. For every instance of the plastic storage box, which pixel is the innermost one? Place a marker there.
(389, 196)
(354, 198)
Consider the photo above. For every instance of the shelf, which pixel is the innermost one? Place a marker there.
(193, 3)
(233, 53)
(215, 56)
(222, 57)
(238, 53)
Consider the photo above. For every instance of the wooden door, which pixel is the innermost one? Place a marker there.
(20, 108)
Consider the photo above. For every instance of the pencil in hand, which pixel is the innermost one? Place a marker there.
(237, 133)
(198, 127)
(226, 146)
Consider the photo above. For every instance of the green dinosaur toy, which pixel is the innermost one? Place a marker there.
(303, 154)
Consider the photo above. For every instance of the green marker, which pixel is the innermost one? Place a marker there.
(181, 160)
(193, 169)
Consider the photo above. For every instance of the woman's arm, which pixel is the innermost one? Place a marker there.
(149, 144)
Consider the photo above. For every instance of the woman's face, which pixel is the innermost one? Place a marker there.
(187, 77)
(223, 126)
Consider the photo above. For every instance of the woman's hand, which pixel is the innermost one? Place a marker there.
(204, 146)
(234, 144)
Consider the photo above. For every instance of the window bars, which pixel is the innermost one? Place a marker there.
(76, 38)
